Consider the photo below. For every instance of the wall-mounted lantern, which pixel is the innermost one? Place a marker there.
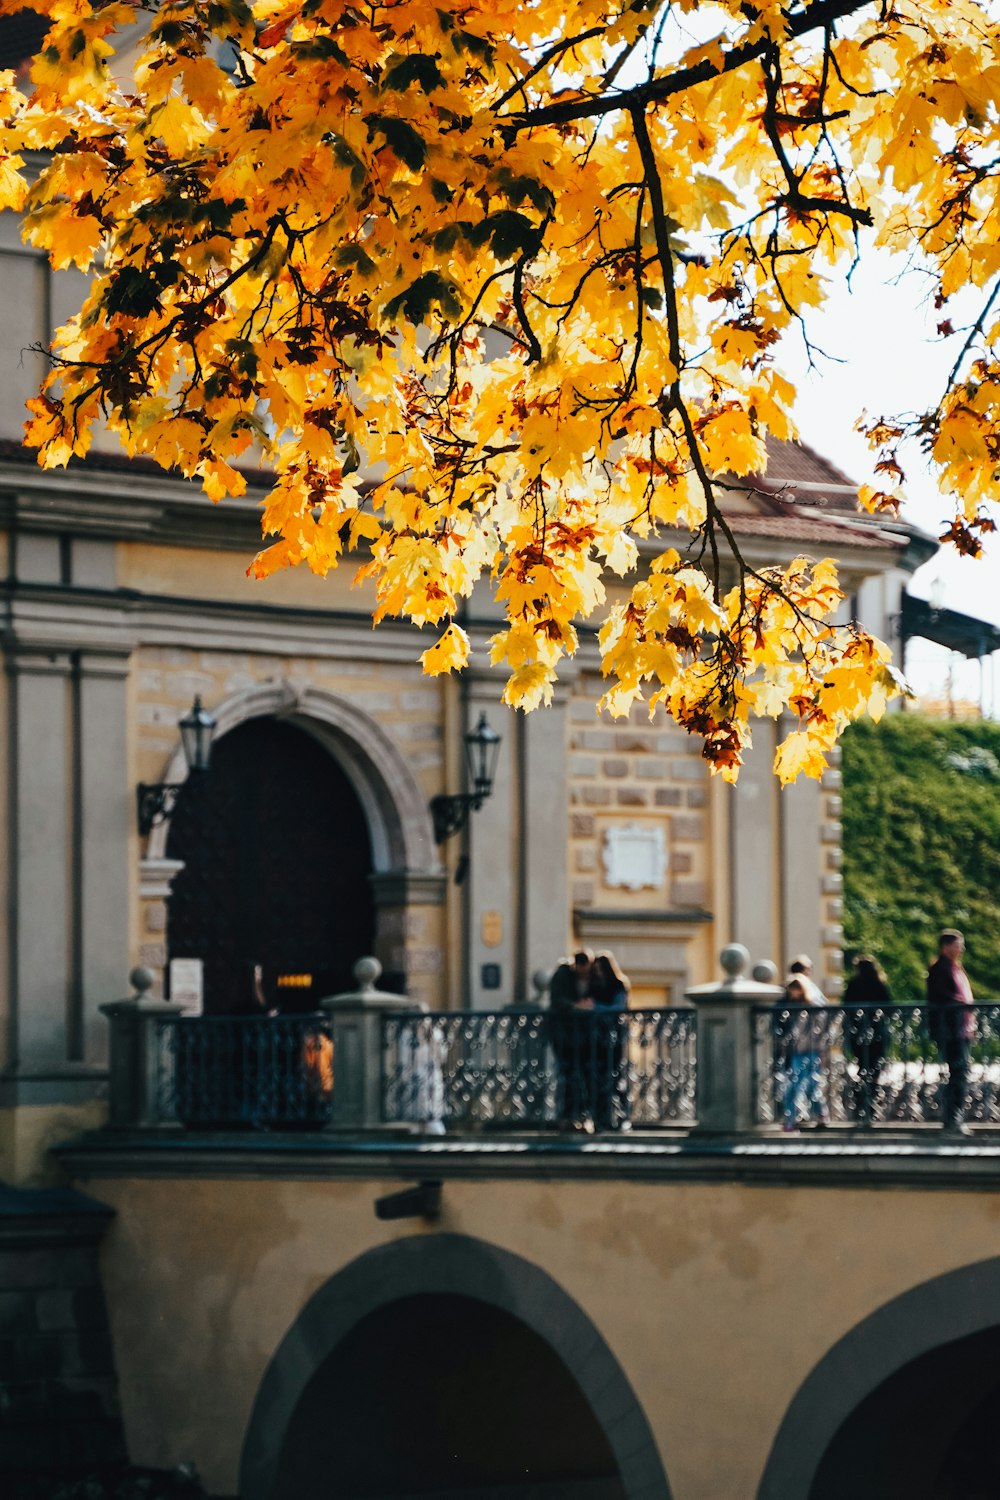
(156, 800)
(451, 813)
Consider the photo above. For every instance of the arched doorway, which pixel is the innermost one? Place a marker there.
(442, 1366)
(444, 1395)
(903, 1404)
(277, 864)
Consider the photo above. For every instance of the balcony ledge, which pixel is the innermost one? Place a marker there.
(919, 1158)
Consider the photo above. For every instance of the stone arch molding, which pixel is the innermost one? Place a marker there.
(936, 1312)
(399, 821)
(463, 1266)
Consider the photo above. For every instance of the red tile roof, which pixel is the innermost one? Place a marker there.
(798, 474)
(825, 531)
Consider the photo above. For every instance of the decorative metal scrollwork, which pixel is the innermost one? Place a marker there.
(869, 1066)
(525, 1069)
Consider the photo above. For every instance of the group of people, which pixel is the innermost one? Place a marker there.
(801, 1031)
(588, 996)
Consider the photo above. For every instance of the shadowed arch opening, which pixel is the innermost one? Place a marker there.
(928, 1432)
(441, 1366)
(276, 860)
(904, 1404)
(444, 1395)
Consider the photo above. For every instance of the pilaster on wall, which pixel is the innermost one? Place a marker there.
(754, 824)
(545, 832)
(409, 929)
(105, 805)
(801, 901)
(42, 839)
(492, 834)
(68, 807)
(831, 878)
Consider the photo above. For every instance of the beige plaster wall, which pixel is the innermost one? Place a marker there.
(29, 1131)
(717, 1300)
(199, 573)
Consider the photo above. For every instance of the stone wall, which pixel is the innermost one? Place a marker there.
(624, 771)
(643, 784)
(58, 1389)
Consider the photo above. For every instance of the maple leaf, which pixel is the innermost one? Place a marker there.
(448, 654)
(13, 188)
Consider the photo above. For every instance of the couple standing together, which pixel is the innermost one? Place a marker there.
(587, 1000)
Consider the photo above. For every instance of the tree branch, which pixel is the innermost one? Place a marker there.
(566, 111)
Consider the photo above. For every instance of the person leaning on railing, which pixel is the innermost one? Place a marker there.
(866, 1030)
(609, 990)
(570, 1007)
(951, 1023)
(800, 1031)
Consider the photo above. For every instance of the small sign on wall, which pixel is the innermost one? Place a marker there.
(492, 929)
(187, 984)
(635, 856)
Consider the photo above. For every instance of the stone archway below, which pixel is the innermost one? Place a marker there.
(521, 1299)
(902, 1336)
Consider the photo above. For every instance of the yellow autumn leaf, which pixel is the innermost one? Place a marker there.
(13, 187)
(799, 754)
(71, 239)
(178, 124)
(450, 652)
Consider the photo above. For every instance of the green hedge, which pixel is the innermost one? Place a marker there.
(922, 846)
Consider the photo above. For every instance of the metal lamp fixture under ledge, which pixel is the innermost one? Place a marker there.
(451, 813)
(156, 800)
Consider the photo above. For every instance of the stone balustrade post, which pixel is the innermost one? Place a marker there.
(134, 1054)
(725, 1073)
(356, 1025)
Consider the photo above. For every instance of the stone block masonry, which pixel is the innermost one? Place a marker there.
(627, 773)
(58, 1389)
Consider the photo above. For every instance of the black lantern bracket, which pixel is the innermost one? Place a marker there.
(156, 800)
(451, 812)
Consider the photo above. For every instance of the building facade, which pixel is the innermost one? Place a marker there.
(310, 842)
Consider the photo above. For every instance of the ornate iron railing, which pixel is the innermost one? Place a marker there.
(597, 1070)
(865, 1066)
(225, 1072)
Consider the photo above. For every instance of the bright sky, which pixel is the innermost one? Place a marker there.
(893, 362)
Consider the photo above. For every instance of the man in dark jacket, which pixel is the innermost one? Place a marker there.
(951, 1023)
(571, 1008)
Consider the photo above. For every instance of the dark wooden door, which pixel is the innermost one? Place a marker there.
(277, 860)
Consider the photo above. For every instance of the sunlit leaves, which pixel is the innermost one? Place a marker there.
(498, 309)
